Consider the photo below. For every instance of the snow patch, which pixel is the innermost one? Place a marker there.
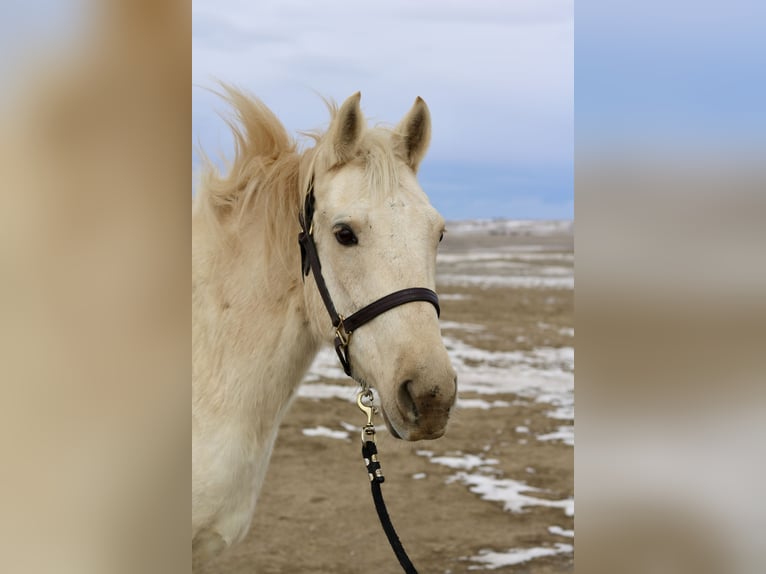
(466, 462)
(490, 560)
(512, 493)
(564, 434)
(454, 297)
(325, 432)
(543, 374)
(480, 404)
(508, 281)
(559, 531)
(470, 327)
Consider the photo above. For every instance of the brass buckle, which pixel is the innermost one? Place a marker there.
(367, 409)
(368, 430)
(341, 333)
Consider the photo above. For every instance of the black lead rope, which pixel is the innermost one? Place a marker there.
(375, 474)
(380, 507)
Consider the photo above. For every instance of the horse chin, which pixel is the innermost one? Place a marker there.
(389, 426)
(410, 434)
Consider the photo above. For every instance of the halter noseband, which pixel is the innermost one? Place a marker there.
(345, 326)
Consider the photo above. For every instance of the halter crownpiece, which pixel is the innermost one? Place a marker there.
(345, 326)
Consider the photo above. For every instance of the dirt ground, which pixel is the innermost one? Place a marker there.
(315, 513)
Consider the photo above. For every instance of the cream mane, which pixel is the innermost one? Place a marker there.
(269, 172)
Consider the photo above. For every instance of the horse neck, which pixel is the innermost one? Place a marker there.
(280, 324)
(254, 337)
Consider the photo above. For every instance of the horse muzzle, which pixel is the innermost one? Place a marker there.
(420, 409)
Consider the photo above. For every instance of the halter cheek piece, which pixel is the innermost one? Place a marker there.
(345, 326)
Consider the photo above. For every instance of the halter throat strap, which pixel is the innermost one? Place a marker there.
(344, 326)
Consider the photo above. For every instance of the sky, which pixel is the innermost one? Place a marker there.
(497, 76)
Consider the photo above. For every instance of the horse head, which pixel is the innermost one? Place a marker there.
(376, 232)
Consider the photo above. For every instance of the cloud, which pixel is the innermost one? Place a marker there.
(498, 76)
(215, 33)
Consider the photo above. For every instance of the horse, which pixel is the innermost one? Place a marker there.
(258, 321)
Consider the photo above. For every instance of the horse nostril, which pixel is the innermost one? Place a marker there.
(405, 400)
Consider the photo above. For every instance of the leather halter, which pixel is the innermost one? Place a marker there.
(345, 326)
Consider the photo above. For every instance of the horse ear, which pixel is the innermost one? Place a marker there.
(414, 134)
(346, 129)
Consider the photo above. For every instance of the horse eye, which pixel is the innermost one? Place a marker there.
(441, 237)
(345, 236)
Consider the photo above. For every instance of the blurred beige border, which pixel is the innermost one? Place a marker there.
(94, 252)
(671, 417)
